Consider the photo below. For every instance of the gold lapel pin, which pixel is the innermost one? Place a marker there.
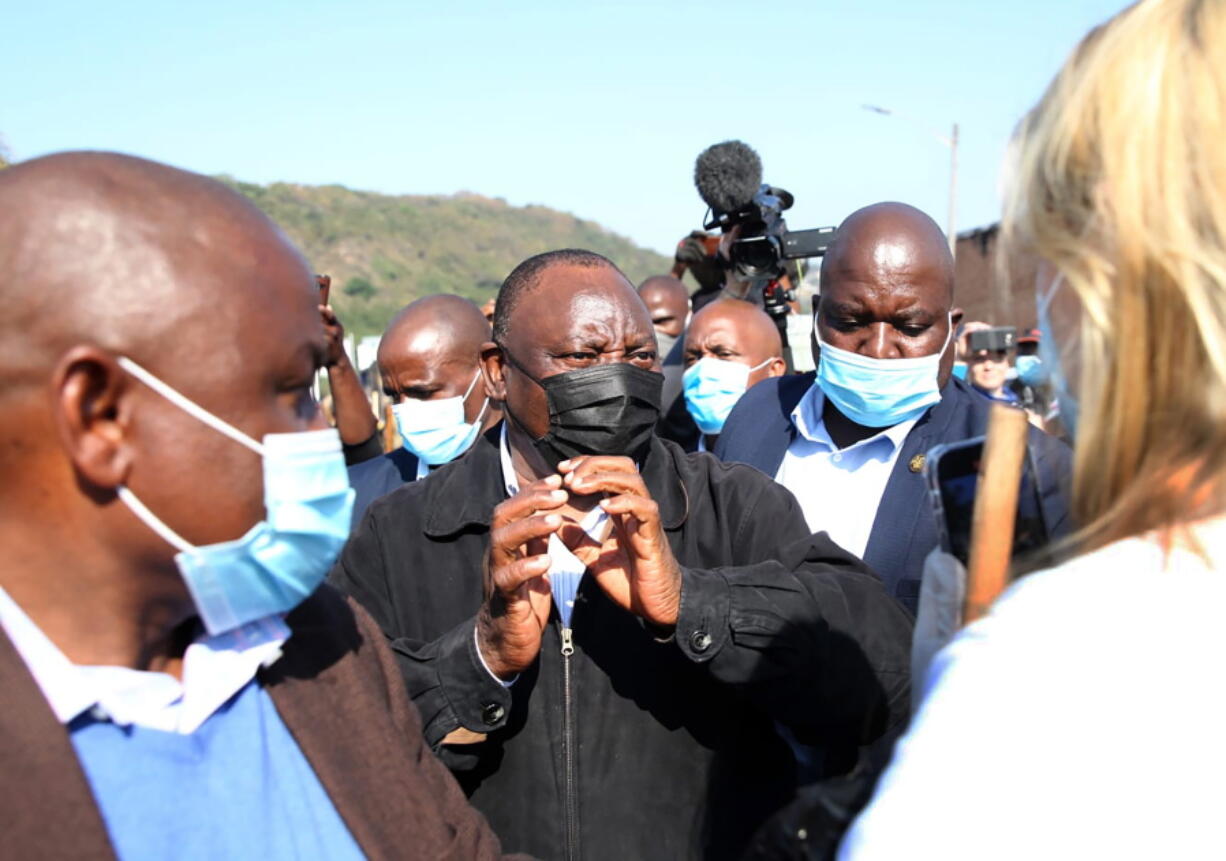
(916, 464)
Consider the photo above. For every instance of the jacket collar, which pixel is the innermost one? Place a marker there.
(463, 494)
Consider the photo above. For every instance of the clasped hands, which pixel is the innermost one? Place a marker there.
(634, 564)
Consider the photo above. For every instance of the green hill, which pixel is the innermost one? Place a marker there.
(383, 251)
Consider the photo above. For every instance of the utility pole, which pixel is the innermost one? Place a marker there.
(953, 191)
(952, 142)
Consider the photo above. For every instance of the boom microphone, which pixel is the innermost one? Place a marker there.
(727, 176)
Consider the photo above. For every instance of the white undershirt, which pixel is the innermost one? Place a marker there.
(214, 669)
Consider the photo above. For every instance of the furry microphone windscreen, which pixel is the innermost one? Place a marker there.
(727, 176)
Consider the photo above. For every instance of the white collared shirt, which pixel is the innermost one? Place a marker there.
(838, 489)
(214, 669)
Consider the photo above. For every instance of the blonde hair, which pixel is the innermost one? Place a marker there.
(1119, 183)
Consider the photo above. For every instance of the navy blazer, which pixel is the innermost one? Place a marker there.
(759, 430)
(379, 477)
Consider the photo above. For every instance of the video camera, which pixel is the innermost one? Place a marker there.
(728, 177)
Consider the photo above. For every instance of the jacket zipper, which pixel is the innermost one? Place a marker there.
(568, 750)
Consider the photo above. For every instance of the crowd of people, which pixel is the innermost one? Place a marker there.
(628, 586)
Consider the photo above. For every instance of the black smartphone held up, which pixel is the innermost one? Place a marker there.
(952, 472)
(324, 282)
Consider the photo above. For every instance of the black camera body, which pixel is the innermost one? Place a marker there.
(765, 241)
(998, 339)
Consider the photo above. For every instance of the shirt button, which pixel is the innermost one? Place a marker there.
(492, 713)
(838, 457)
(700, 641)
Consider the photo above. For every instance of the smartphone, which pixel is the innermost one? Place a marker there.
(325, 286)
(952, 472)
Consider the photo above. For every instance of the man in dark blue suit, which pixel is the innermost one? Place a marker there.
(849, 440)
(428, 360)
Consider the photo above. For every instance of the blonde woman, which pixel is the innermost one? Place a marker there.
(1086, 716)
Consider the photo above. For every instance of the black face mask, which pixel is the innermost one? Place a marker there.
(606, 409)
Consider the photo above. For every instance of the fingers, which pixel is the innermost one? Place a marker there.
(597, 462)
(516, 521)
(643, 509)
(329, 316)
(506, 541)
(537, 496)
(588, 475)
(510, 577)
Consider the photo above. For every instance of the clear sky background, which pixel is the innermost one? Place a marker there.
(593, 108)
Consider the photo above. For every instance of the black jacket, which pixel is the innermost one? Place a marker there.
(670, 743)
(759, 430)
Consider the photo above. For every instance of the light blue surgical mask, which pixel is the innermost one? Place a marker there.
(435, 431)
(879, 393)
(283, 558)
(712, 387)
(1050, 356)
(960, 370)
(1031, 370)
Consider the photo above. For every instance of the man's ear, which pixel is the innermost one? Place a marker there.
(777, 368)
(492, 365)
(91, 399)
(955, 318)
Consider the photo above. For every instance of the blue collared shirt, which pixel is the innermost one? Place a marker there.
(838, 489)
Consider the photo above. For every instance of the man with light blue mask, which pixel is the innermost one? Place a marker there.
(730, 346)
(850, 440)
(1033, 384)
(178, 680)
(429, 363)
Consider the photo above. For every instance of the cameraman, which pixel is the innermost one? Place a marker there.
(987, 351)
(698, 253)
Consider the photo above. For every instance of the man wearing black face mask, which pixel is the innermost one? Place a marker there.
(601, 629)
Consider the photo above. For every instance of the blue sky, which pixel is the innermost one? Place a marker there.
(593, 108)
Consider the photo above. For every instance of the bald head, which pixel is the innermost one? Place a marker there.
(735, 330)
(441, 322)
(888, 286)
(128, 253)
(889, 244)
(668, 302)
(431, 351)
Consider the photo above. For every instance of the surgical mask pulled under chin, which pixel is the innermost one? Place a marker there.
(435, 431)
(712, 387)
(283, 558)
(879, 393)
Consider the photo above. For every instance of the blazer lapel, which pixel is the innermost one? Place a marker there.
(903, 529)
(49, 808)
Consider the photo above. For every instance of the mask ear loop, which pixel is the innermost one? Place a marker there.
(189, 406)
(472, 385)
(151, 520)
(485, 406)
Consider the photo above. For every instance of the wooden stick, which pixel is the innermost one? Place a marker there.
(1000, 474)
